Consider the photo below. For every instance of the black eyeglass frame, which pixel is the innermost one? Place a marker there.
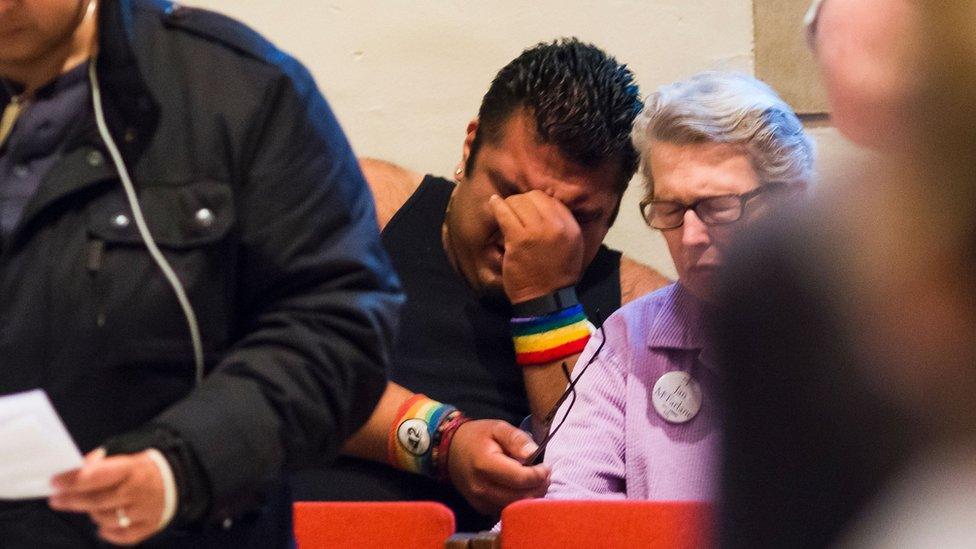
(743, 199)
(536, 457)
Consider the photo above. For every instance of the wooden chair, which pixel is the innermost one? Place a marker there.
(553, 524)
(363, 525)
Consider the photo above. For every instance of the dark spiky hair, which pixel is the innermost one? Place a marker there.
(583, 101)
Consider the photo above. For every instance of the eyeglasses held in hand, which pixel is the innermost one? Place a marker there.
(570, 393)
(712, 210)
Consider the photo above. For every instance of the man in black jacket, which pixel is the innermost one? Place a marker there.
(252, 231)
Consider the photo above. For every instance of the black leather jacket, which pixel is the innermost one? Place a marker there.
(295, 297)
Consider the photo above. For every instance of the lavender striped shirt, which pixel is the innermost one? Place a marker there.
(614, 444)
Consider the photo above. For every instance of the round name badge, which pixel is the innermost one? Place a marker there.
(677, 397)
(414, 436)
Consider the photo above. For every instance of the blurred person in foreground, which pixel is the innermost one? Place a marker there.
(925, 335)
(847, 332)
(243, 179)
(718, 152)
(518, 233)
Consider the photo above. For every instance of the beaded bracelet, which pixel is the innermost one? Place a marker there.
(552, 337)
(442, 451)
(420, 437)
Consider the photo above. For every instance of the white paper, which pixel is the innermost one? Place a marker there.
(34, 446)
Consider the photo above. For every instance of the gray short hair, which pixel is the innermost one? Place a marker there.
(727, 107)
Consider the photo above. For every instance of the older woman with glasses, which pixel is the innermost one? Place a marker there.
(718, 150)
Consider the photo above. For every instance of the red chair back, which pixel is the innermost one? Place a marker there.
(357, 525)
(552, 524)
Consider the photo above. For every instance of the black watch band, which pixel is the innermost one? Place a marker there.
(547, 304)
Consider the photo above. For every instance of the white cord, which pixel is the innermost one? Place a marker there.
(130, 193)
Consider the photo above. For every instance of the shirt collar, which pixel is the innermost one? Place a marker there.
(129, 98)
(680, 323)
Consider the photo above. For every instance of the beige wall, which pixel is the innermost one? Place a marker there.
(782, 55)
(404, 77)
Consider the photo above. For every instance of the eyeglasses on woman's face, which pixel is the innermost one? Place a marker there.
(711, 210)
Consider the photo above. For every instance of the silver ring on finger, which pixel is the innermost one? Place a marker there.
(123, 520)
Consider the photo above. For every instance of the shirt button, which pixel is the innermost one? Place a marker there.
(130, 135)
(120, 221)
(227, 524)
(21, 171)
(95, 159)
(205, 218)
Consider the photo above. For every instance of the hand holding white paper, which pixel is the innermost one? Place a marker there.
(34, 446)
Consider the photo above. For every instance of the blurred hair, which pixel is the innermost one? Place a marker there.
(583, 101)
(727, 107)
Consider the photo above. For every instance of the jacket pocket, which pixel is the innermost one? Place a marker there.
(178, 216)
(136, 308)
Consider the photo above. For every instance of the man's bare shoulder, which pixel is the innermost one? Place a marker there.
(390, 184)
(637, 279)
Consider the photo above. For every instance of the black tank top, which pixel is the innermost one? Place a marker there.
(453, 346)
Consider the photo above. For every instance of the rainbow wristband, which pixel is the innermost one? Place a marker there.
(415, 435)
(552, 337)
